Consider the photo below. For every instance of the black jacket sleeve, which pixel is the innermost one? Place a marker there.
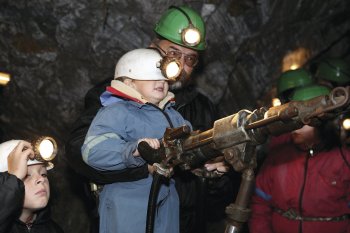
(199, 195)
(196, 108)
(11, 200)
(76, 139)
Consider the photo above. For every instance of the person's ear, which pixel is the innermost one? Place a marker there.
(129, 82)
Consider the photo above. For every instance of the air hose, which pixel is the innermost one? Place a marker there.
(152, 156)
(152, 201)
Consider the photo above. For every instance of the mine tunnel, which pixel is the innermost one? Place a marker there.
(53, 52)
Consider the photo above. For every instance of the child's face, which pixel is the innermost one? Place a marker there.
(153, 91)
(37, 190)
(305, 137)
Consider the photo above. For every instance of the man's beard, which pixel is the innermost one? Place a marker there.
(181, 82)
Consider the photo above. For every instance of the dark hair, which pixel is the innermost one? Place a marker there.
(122, 79)
(329, 132)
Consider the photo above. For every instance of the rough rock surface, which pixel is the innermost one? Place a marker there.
(55, 50)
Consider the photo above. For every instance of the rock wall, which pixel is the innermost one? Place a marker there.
(57, 50)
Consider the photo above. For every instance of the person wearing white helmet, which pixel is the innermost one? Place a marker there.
(137, 107)
(198, 203)
(24, 190)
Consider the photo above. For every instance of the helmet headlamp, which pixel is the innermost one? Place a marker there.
(45, 148)
(190, 35)
(171, 68)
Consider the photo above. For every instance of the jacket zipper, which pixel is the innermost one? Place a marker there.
(166, 115)
(302, 193)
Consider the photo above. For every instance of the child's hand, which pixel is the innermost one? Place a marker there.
(152, 142)
(17, 159)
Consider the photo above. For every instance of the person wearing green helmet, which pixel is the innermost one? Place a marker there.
(305, 175)
(333, 72)
(290, 80)
(183, 26)
(309, 92)
(196, 204)
(180, 33)
(171, 39)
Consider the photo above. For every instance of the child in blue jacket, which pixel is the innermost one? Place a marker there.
(137, 107)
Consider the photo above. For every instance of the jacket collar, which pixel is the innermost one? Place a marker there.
(122, 90)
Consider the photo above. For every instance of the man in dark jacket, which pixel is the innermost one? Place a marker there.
(24, 191)
(193, 105)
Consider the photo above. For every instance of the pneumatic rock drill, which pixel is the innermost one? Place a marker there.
(236, 137)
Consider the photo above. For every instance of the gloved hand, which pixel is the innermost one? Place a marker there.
(149, 154)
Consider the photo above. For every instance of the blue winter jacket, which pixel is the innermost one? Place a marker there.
(109, 145)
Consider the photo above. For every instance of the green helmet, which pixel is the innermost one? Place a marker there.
(292, 79)
(309, 92)
(175, 21)
(334, 70)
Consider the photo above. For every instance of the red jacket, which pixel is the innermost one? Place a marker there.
(289, 178)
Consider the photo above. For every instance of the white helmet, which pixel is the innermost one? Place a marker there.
(7, 147)
(140, 64)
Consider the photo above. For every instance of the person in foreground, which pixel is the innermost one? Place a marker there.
(24, 191)
(192, 105)
(304, 183)
(137, 107)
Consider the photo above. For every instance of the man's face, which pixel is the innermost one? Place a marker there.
(188, 59)
(37, 191)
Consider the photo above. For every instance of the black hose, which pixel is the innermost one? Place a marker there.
(202, 193)
(152, 201)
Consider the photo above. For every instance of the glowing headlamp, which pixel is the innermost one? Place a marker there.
(346, 124)
(45, 149)
(171, 68)
(276, 102)
(190, 35)
(4, 78)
